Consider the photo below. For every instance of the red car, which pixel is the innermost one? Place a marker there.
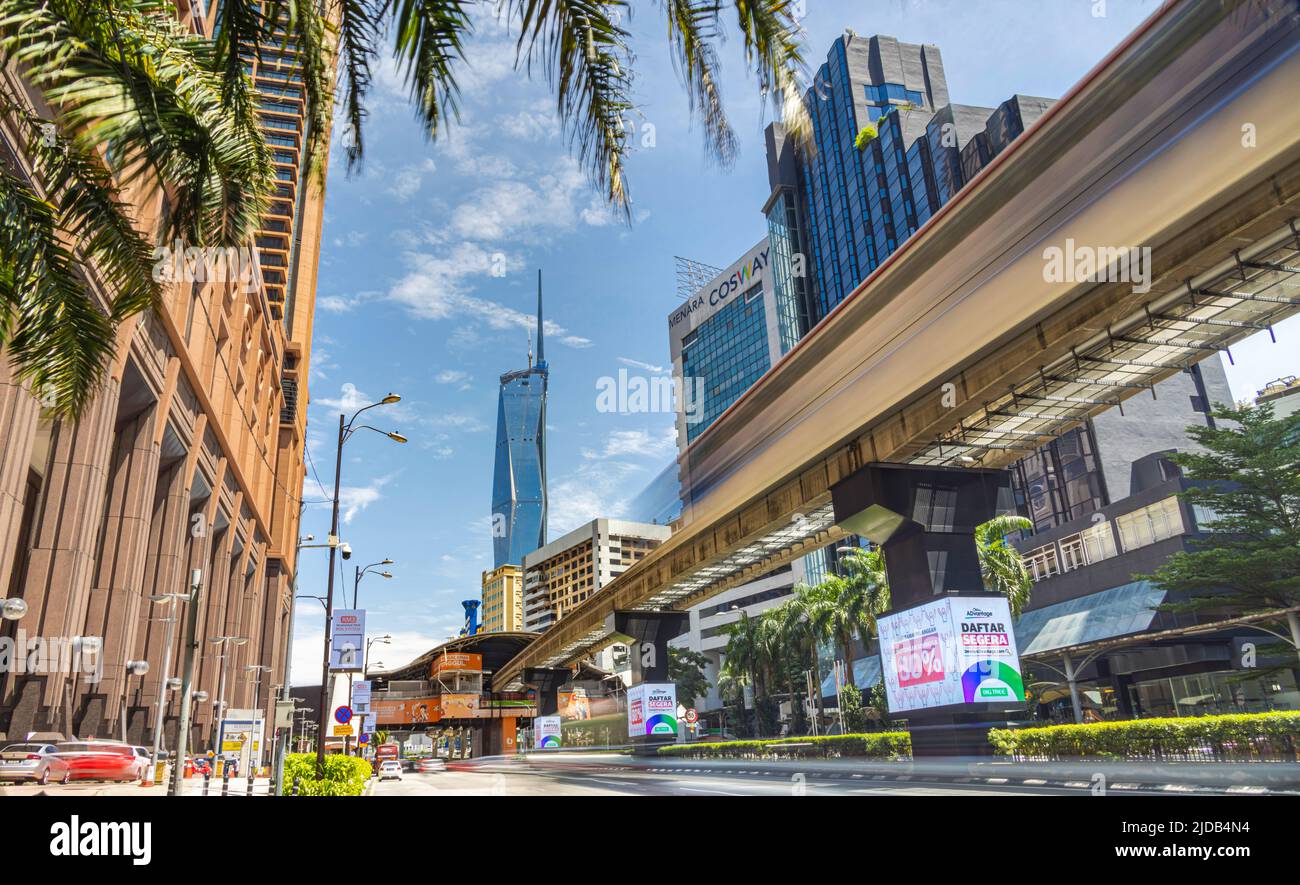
(99, 761)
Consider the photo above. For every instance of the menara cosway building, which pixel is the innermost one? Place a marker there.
(190, 458)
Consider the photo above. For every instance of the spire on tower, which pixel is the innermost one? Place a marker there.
(541, 353)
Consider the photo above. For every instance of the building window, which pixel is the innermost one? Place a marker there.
(1155, 522)
(1042, 562)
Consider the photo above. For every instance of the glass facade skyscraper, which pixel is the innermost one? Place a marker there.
(519, 476)
(890, 150)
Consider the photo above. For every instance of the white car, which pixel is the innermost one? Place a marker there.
(390, 768)
(430, 764)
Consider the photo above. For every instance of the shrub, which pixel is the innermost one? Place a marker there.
(881, 745)
(344, 775)
(865, 137)
(1237, 736)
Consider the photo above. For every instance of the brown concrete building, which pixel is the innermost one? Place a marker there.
(190, 457)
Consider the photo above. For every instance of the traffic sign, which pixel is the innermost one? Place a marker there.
(691, 715)
(365, 738)
(343, 715)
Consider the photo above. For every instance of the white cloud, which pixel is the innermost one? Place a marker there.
(355, 499)
(408, 180)
(438, 287)
(597, 489)
(451, 376)
(637, 443)
(637, 364)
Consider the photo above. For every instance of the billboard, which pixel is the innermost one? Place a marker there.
(460, 706)
(652, 709)
(955, 651)
(546, 732)
(409, 711)
(347, 638)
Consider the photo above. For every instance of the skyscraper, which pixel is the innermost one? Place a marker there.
(890, 150)
(189, 459)
(519, 477)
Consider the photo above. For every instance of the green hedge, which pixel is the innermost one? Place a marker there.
(877, 745)
(1238, 736)
(344, 775)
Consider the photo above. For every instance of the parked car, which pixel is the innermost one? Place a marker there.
(430, 764)
(99, 760)
(144, 759)
(36, 762)
(390, 768)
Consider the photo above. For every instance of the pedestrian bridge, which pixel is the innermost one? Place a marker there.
(971, 345)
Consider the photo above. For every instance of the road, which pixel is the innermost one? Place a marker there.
(613, 775)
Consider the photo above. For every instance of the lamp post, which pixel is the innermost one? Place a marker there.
(346, 429)
(361, 573)
(160, 714)
(219, 705)
(133, 668)
(257, 669)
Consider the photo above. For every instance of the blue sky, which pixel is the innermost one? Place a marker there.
(407, 300)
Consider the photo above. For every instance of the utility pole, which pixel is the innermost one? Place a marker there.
(324, 711)
(187, 681)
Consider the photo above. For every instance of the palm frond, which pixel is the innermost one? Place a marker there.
(771, 38)
(56, 337)
(692, 30)
(358, 35)
(429, 41)
(585, 54)
(126, 78)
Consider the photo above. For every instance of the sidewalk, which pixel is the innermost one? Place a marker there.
(192, 786)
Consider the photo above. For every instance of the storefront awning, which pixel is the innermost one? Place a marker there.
(1119, 611)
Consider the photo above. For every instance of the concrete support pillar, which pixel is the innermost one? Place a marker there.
(924, 520)
(60, 567)
(647, 634)
(19, 413)
(546, 681)
(164, 572)
(116, 605)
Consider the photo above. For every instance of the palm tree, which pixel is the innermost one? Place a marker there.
(141, 103)
(580, 45)
(1001, 567)
(131, 103)
(801, 631)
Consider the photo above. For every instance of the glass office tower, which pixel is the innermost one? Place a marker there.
(519, 477)
(890, 150)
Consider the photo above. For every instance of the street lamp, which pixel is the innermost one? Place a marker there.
(346, 429)
(13, 608)
(219, 705)
(258, 669)
(164, 683)
(361, 573)
(133, 668)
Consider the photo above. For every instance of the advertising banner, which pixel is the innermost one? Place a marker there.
(652, 709)
(360, 697)
(347, 638)
(453, 661)
(546, 732)
(460, 706)
(410, 711)
(954, 651)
